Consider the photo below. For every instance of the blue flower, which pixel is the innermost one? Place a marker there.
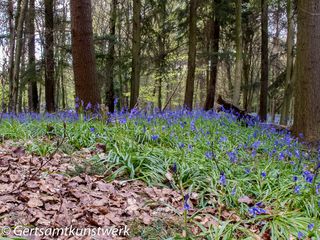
(300, 235)
(88, 107)
(256, 145)
(232, 156)
(263, 174)
(297, 189)
(154, 137)
(223, 180)
(92, 129)
(310, 226)
(308, 176)
(247, 170)
(174, 168)
(209, 155)
(186, 205)
(254, 211)
(181, 145)
(295, 178)
(234, 191)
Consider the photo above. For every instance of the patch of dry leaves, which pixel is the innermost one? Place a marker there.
(53, 199)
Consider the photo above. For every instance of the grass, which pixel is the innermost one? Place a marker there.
(256, 161)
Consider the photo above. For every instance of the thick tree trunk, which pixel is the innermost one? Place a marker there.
(214, 59)
(49, 57)
(288, 89)
(307, 88)
(84, 62)
(110, 96)
(32, 87)
(136, 49)
(188, 97)
(238, 75)
(264, 62)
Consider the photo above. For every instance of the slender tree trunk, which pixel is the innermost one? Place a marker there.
(84, 62)
(188, 98)
(49, 56)
(17, 58)
(110, 58)
(238, 74)
(264, 62)
(136, 49)
(32, 87)
(11, 50)
(288, 89)
(307, 87)
(214, 59)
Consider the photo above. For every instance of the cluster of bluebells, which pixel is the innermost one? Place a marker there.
(257, 210)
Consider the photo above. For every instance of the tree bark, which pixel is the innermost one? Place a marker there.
(307, 87)
(84, 62)
(49, 56)
(188, 98)
(136, 49)
(288, 89)
(110, 96)
(17, 58)
(32, 87)
(264, 62)
(238, 74)
(214, 59)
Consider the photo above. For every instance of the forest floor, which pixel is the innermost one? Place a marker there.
(173, 175)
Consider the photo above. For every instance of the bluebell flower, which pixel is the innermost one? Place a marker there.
(310, 226)
(308, 176)
(223, 139)
(88, 107)
(256, 145)
(186, 205)
(234, 191)
(122, 120)
(281, 156)
(254, 211)
(223, 180)
(154, 137)
(209, 155)
(174, 167)
(92, 129)
(295, 178)
(181, 145)
(297, 189)
(300, 235)
(263, 174)
(232, 156)
(247, 170)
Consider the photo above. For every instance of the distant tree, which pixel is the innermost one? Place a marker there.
(13, 98)
(110, 58)
(214, 58)
(238, 68)
(136, 51)
(264, 62)
(307, 88)
(49, 56)
(84, 63)
(32, 87)
(188, 98)
(289, 71)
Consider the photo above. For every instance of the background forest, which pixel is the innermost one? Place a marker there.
(169, 53)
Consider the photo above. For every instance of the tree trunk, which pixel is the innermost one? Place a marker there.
(17, 58)
(290, 41)
(49, 56)
(214, 59)
(84, 62)
(264, 62)
(32, 87)
(11, 50)
(238, 75)
(136, 49)
(110, 58)
(307, 88)
(188, 98)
